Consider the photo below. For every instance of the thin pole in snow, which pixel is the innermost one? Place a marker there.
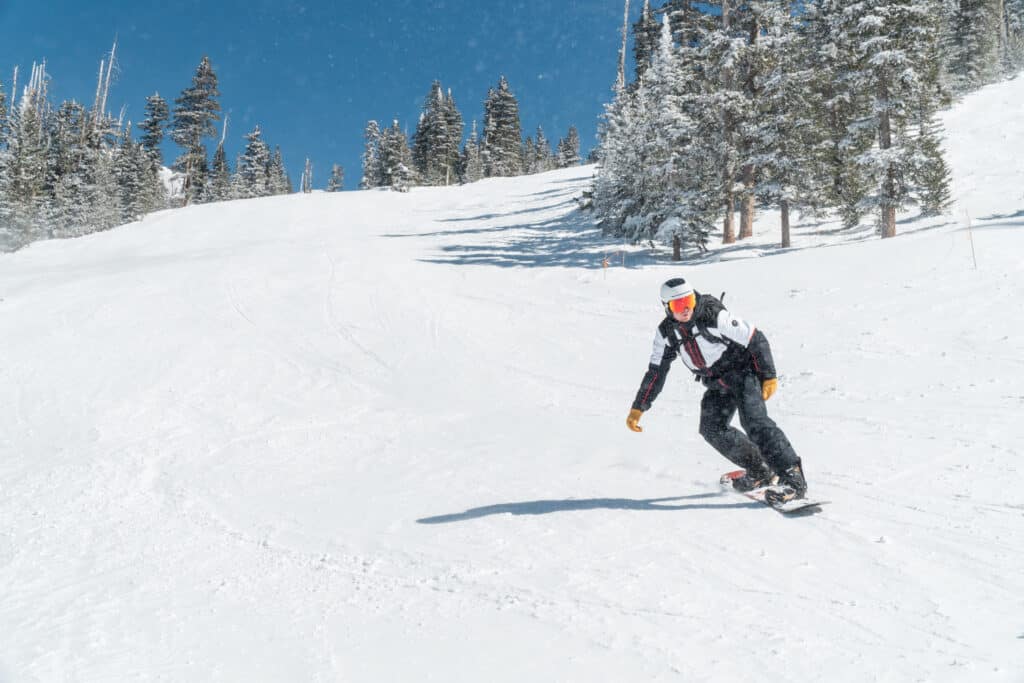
(970, 236)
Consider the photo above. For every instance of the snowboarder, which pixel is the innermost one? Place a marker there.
(732, 359)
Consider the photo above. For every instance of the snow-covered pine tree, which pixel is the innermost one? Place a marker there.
(752, 20)
(1014, 20)
(502, 143)
(7, 242)
(152, 127)
(834, 64)
(690, 20)
(307, 177)
(220, 176)
(472, 166)
(254, 166)
(455, 125)
(569, 149)
(431, 140)
(893, 42)
(544, 158)
(396, 162)
(646, 32)
(529, 156)
(681, 177)
(278, 181)
(65, 171)
(372, 170)
(615, 186)
(336, 183)
(130, 167)
(724, 98)
(195, 111)
(26, 163)
(929, 174)
(976, 32)
(784, 134)
(101, 190)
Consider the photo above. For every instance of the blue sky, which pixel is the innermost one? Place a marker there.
(312, 73)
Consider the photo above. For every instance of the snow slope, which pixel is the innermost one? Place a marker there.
(375, 436)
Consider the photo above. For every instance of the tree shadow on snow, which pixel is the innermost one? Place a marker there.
(516, 238)
(546, 507)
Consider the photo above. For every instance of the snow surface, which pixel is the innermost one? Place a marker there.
(373, 436)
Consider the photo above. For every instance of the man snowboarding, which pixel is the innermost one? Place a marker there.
(732, 359)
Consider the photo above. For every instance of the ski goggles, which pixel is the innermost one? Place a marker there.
(679, 305)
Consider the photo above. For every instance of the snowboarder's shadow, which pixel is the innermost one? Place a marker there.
(546, 507)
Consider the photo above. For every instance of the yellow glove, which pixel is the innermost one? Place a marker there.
(768, 388)
(633, 421)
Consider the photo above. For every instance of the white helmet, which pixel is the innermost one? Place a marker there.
(676, 288)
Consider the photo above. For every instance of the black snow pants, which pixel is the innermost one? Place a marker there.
(763, 441)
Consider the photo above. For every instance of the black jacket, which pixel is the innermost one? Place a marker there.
(718, 348)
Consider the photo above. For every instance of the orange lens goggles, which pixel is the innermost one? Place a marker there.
(679, 305)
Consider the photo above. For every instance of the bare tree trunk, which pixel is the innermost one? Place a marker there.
(728, 226)
(784, 207)
(728, 229)
(747, 205)
(889, 184)
(187, 185)
(1003, 34)
(677, 248)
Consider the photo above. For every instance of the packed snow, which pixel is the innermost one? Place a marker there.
(374, 436)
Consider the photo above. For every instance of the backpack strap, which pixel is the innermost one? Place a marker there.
(670, 332)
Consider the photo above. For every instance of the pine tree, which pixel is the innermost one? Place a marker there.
(834, 65)
(678, 202)
(130, 168)
(455, 127)
(7, 239)
(194, 114)
(1014, 20)
(544, 159)
(220, 176)
(646, 33)
(785, 133)
(254, 166)
(152, 127)
(396, 161)
(929, 173)
(66, 163)
(529, 156)
(976, 32)
(616, 186)
(726, 106)
(502, 144)
(472, 162)
(372, 169)
(894, 38)
(277, 179)
(430, 151)
(26, 165)
(569, 149)
(336, 183)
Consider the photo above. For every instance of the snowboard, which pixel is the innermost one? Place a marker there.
(806, 505)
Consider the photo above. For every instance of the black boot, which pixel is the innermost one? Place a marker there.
(791, 485)
(754, 478)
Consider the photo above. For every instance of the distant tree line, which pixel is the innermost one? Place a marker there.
(71, 170)
(437, 155)
(817, 106)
